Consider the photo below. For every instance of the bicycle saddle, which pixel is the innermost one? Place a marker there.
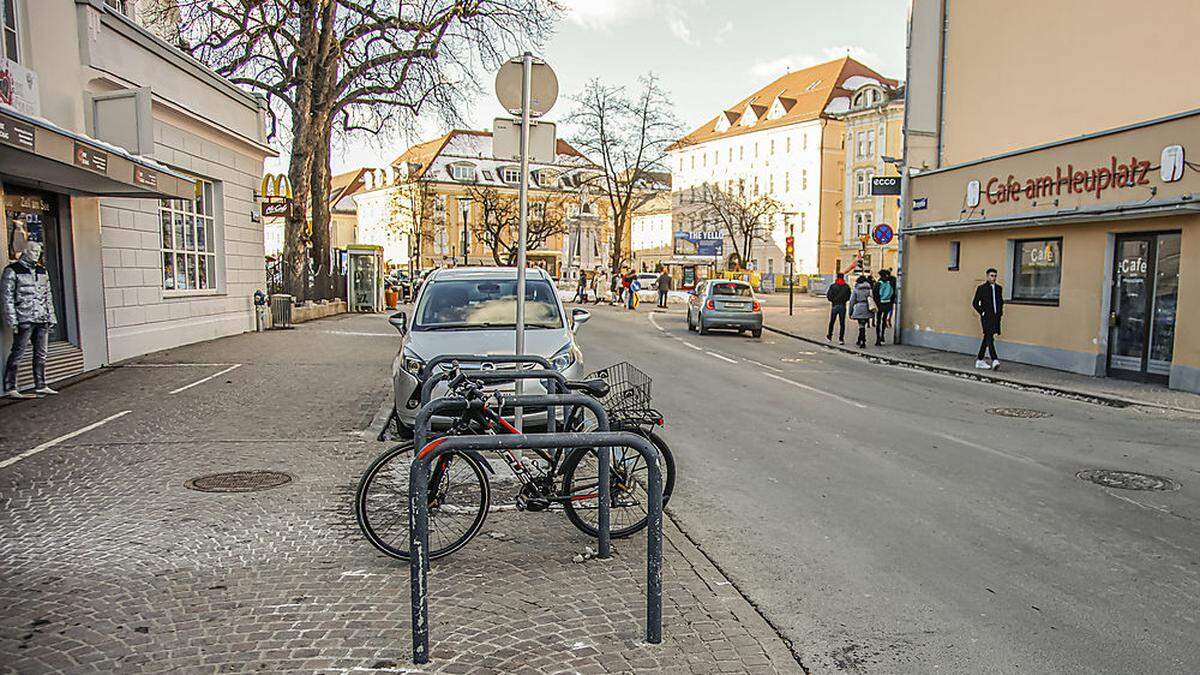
(595, 387)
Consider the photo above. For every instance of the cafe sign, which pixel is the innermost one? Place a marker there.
(1117, 174)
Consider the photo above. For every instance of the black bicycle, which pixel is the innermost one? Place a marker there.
(460, 490)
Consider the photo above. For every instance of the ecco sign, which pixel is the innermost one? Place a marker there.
(885, 186)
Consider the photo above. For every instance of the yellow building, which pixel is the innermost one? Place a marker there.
(449, 201)
(874, 131)
(1070, 167)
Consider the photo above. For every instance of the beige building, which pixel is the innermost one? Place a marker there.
(450, 201)
(874, 130)
(1076, 177)
(785, 140)
(137, 168)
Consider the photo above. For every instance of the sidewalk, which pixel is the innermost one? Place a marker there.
(811, 317)
(112, 564)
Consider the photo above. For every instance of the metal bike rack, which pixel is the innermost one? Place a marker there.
(418, 495)
(421, 428)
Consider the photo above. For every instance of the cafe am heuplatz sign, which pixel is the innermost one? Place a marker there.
(1097, 241)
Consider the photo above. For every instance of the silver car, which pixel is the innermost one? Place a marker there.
(472, 310)
(722, 303)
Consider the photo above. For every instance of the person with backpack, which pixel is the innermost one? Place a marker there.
(838, 295)
(885, 301)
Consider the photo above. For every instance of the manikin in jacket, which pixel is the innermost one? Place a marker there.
(27, 307)
(989, 305)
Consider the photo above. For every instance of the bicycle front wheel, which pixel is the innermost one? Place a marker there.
(629, 501)
(459, 496)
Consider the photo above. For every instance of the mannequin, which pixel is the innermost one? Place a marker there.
(27, 308)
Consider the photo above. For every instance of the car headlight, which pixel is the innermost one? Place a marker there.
(413, 364)
(565, 358)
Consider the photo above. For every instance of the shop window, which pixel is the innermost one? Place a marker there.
(1037, 270)
(189, 261)
(11, 45)
(955, 255)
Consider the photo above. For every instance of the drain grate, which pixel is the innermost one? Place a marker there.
(1127, 480)
(1022, 413)
(239, 481)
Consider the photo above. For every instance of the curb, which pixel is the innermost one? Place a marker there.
(1086, 397)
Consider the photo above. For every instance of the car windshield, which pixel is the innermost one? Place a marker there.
(486, 303)
(740, 290)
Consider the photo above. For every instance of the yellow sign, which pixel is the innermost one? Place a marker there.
(275, 185)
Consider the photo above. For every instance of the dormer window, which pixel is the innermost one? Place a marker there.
(463, 172)
(867, 98)
(510, 174)
(722, 124)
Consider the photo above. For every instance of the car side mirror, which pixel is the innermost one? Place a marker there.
(579, 317)
(400, 321)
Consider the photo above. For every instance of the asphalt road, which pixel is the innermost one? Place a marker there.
(885, 522)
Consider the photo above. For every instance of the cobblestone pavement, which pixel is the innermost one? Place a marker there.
(110, 564)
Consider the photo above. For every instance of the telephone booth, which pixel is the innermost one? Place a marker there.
(364, 278)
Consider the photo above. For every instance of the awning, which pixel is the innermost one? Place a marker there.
(37, 151)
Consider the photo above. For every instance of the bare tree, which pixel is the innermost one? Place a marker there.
(629, 138)
(500, 218)
(347, 67)
(410, 215)
(744, 217)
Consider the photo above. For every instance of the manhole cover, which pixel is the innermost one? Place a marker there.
(1023, 413)
(239, 481)
(1127, 480)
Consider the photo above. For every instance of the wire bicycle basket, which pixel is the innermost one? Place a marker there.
(628, 397)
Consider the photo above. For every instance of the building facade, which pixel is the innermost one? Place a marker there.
(651, 233)
(137, 169)
(784, 140)
(450, 201)
(1083, 200)
(874, 130)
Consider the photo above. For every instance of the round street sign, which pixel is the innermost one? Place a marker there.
(882, 234)
(543, 90)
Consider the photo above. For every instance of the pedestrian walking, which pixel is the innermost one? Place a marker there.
(597, 283)
(860, 308)
(664, 287)
(989, 304)
(885, 300)
(632, 292)
(838, 295)
(626, 279)
(27, 307)
(614, 289)
(581, 291)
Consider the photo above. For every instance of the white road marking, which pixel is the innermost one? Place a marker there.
(723, 358)
(175, 365)
(985, 448)
(655, 323)
(763, 365)
(206, 379)
(690, 345)
(65, 437)
(814, 390)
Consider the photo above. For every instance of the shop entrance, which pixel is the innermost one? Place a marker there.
(33, 215)
(1142, 323)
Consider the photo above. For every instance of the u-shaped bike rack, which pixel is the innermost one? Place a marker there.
(418, 494)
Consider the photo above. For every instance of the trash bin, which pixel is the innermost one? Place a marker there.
(281, 310)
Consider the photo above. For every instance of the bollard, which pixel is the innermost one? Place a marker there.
(418, 490)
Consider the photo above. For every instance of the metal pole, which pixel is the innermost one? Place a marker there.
(523, 225)
(418, 559)
(464, 212)
(791, 265)
(604, 496)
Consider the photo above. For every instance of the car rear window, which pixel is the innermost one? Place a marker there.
(739, 290)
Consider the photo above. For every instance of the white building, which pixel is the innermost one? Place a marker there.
(781, 140)
(651, 232)
(137, 167)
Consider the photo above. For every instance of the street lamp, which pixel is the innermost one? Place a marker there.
(464, 206)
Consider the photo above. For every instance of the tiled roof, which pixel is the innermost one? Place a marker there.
(431, 160)
(805, 95)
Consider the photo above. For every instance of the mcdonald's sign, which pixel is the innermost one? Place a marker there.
(276, 193)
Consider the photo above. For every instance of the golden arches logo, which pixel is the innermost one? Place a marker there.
(276, 185)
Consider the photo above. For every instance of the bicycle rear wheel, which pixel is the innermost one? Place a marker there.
(628, 482)
(459, 496)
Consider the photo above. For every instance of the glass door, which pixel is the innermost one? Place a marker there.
(1142, 322)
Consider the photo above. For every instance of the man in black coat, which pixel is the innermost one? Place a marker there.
(838, 295)
(989, 304)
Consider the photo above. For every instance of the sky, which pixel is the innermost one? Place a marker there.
(708, 54)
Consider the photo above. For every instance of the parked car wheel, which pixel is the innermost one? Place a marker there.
(691, 325)
(703, 328)
(757, 332)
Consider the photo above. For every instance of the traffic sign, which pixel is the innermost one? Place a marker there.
(506, 140)
(543, 87)
(882, 234)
